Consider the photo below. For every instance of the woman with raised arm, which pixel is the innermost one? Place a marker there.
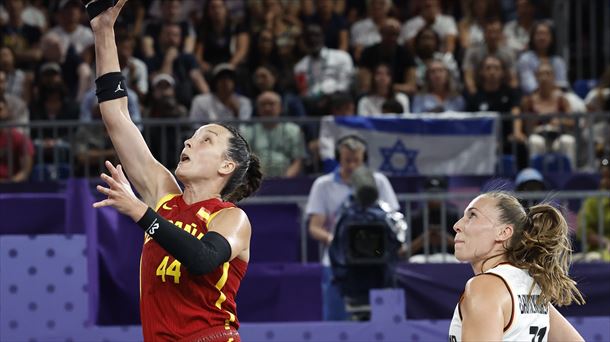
(197, 242)
(520, 257)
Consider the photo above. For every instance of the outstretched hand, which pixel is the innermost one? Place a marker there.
(120, 195)
(107, 18)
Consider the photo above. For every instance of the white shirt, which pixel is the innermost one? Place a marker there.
(329, 192)
(80, 39)
(517, 37)
(140, 74)
(444, 25)
(208, 108)
(332, 71)
(365, 33)
(371, 104)
(528, 322)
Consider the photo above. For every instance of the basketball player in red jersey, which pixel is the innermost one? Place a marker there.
(197, 243)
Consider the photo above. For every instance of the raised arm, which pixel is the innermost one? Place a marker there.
(151, 179)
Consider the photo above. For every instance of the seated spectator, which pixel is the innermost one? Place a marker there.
(530, 179)
(171, 15)
(542, 47)
(470, 27)
(366, 32)
(429, 240)
(598, 100)
(21, 37)
(16, 150)
(322, 72)
(265, 78)
(279, 145)
(223, 103)
(134, 69)
(493, 45)
(166, 142)
(494, 94)
(430, 15)
(589, 216)
(17, 81)
(545, 134)
(327, 194)
(517, 32)
(427, 48)
(183, 67)
(18, 112)
(342, 104)
(264, 51)
(216, 35)
(33, 14)
(382, 90)
(439, 93)
(388, 51)
(334, 26)
(69, 30)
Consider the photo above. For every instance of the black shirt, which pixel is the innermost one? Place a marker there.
(503, 100)
(399, 60)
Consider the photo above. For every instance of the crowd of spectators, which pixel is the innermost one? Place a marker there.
(242, 59)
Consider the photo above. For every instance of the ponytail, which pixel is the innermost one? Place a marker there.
(541, 246)
(251, 182)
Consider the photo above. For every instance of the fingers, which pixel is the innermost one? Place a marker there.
(120, 5)
(110, 181)
(104, 203)
(122, 176)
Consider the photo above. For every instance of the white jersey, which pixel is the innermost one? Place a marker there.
(529, 321)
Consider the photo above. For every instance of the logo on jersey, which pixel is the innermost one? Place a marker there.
(118, 88)
(154, 226)
(166, 207)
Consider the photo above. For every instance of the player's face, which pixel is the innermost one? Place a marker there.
(476, 231)
(204, 154)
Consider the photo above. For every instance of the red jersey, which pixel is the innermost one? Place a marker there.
(174, 304)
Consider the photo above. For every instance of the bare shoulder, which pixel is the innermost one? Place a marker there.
(230, 219)
(485, 289)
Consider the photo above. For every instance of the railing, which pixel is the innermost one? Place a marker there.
(66, 148)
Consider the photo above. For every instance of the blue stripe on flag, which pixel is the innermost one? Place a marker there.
(461, 126)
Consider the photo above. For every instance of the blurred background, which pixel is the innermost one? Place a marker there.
(442, 99)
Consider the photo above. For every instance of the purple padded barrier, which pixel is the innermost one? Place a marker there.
(31, 213)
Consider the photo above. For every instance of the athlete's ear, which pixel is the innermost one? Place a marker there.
(226, 167)
(505, 232)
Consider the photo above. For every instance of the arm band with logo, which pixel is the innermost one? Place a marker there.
(95, 7)
(199, 256)
(110, 86)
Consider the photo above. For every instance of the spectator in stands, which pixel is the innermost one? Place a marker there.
(427, 48)
(76, 72)
(334, 26)
(33, 14)
(266, 78)
(542, 47)
(598, 100)
(439, 93)
(367, 32)
(471, 25)
(493, 45)
(382, 89)
(322, 72)
(589, 215)
(69, 30)
(133, 68)
(223, 103)
(327, 194)
(165, 140)
(182, 66)
(545, 134)
(430, 15)
(530, 179)
(279, 145)
(217, 32)
(494, 94)
(16, 150)
(17, 80)
(54, 104)
(517, 32)
(264, 51)
(388, 51)
(391, 106)
(22, 38)
(18, 112)
(171, 15)
(432, 235)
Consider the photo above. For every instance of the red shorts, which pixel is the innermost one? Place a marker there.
(215, 334)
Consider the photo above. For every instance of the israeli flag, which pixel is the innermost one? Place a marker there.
(431, 144)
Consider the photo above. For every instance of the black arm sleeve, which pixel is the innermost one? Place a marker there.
(199, 256)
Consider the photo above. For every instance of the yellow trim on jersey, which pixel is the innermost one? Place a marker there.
(163, 200)
(219, 285)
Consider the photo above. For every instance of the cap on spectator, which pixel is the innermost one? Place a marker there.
(435, 184)
(223, 69)
(163, 78)
(528, 175)
(50, 67)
